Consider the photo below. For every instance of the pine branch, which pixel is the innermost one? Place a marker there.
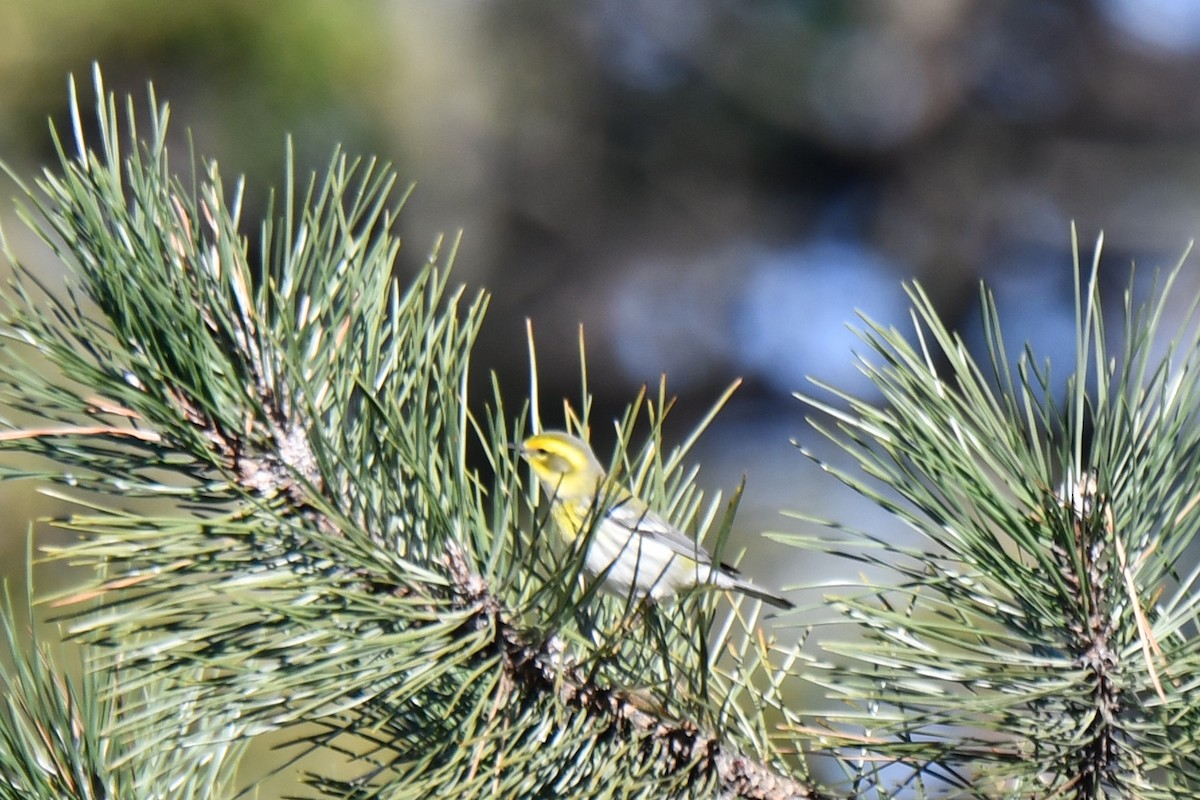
(55, 732)
(1040, 638)
(678, 744)
(331, 560)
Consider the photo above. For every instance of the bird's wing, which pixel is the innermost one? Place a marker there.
(633, 515)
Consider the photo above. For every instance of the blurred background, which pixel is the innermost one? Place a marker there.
(712, 188)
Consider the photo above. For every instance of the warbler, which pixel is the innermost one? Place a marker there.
(637, 551)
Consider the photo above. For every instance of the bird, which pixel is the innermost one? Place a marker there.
(638, 553)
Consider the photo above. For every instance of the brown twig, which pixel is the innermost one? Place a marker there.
(80, 430)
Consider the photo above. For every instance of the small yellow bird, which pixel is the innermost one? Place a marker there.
(637, 551)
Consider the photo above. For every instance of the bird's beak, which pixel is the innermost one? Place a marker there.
(516, 447)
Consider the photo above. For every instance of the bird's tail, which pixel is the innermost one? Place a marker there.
(757, 592)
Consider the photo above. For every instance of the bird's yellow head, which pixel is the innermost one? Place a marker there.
(566, 466)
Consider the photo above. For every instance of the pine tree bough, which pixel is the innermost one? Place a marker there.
(1100, 757)
(309, 415)
(541, 668)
